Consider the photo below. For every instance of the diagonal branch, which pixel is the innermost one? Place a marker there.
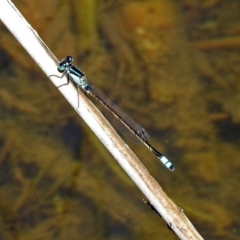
(158, 200)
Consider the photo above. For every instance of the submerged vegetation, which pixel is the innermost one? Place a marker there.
(174, 67)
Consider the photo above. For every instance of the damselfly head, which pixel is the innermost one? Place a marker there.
(65, 64)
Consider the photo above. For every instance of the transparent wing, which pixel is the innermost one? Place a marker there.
(120, 120)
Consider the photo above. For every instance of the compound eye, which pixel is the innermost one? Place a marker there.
(69, 59)
(62, 66)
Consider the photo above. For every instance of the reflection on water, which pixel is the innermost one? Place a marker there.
(174, 68)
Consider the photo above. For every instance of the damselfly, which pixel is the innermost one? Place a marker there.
(80, 81)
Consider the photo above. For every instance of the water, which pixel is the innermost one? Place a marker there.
(49, 191)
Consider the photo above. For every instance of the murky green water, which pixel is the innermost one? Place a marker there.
(174, 67)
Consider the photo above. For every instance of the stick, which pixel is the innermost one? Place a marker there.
(159, 201)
